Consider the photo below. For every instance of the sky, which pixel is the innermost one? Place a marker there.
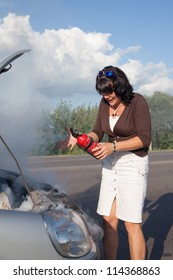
(70, 41)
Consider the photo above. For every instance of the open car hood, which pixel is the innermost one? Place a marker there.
(5, 63)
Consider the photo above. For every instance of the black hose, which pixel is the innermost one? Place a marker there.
(20, 170)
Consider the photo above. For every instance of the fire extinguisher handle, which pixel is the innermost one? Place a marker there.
(74, 132)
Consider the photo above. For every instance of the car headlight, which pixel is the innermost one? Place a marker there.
(68, 232)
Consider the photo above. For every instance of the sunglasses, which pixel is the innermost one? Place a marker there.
(107, 74)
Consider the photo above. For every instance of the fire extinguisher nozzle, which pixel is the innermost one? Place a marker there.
(74, 132)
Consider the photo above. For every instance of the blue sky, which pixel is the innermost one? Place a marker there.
(130, 22)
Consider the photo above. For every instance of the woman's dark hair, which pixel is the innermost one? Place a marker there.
(118, 83)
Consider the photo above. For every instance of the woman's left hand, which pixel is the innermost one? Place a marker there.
(103, 150)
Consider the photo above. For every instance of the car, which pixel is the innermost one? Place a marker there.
(38, 221)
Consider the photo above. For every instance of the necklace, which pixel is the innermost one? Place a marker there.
(116, 110)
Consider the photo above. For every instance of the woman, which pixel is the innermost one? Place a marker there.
(124, 117)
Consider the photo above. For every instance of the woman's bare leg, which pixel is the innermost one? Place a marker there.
(110, 224)
(136, 239)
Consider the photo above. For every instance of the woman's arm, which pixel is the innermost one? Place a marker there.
(107, 148)
(130, 144)
(93, 136)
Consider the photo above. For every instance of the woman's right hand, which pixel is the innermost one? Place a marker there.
(70, 140)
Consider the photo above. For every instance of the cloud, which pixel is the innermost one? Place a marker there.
(63, 62)
(150, 77)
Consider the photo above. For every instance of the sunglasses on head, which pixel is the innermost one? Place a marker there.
(107, 74)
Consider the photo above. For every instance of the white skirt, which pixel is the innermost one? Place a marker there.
(124, 177)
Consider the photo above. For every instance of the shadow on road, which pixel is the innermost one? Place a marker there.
(157, 223)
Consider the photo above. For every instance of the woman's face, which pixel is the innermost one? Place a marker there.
(111, 98)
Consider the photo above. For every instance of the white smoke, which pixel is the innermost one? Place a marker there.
(94, 228)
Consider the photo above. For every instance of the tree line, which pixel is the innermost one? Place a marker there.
(52, 130)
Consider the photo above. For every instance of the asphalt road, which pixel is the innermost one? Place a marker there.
(79, 177)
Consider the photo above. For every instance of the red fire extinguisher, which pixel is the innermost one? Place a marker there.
(84, 141)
